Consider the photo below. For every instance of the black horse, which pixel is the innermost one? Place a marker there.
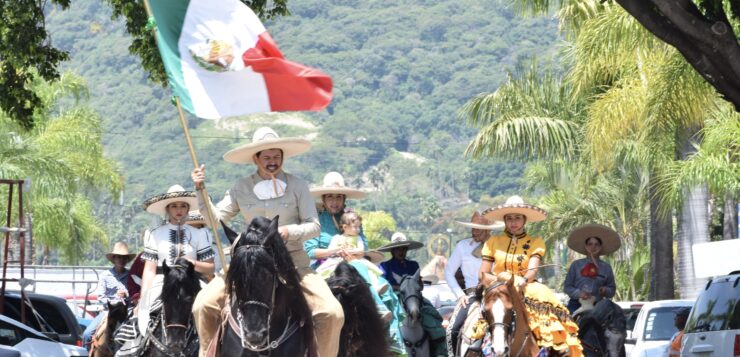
(362, 330)
(173, 332)
(267, 312)
(602, 330)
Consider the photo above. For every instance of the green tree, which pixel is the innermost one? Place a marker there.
(378, 227)
(63, 157)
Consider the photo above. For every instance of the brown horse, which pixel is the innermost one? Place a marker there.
(503, 309)
(102, 342)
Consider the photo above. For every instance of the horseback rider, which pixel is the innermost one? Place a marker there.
(333, 195)
(111, 286)
(590, 279)
(399, 266)
(271, 192)
(467, 257)
(170, 241)
(516, 253)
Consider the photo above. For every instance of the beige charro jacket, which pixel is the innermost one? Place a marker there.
(297, 211)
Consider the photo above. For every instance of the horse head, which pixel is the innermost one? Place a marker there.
(498, 310)
(180, 286)
(410, 294)
(117, 312)
(263, 287)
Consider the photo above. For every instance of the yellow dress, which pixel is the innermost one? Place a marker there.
(549, 320)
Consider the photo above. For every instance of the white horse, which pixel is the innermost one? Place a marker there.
(415, 338)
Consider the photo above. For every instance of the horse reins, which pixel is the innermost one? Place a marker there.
(163, 347)
(506, 326)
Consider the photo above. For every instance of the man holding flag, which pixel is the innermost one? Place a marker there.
(221, 62)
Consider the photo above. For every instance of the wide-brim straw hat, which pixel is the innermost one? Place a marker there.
(120, 248)
(194, 217)
(515, 204)
(480, 222)
(399, 240)
(176, 193)
(334, 184)
(265, 138)
(610, 241)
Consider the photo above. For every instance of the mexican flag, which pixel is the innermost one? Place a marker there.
(221, 62)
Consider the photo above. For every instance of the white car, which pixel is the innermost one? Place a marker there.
(654, 328)
(713, 327)
(31, 343)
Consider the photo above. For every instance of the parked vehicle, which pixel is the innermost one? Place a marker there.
(654, 328)
(28, 342)
(630, 309)
(713, 327)
(54, 317)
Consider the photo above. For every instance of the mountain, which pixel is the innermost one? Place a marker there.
(401, 70)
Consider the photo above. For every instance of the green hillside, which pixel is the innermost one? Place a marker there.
(401, 72)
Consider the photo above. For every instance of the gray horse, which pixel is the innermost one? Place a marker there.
(415, 338)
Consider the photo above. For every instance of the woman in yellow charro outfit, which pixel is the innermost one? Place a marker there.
(516, 252)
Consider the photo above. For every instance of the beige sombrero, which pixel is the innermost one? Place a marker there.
(120, 248)
(176, 193)
(515, 204)
(480, 222)
(399, 239)
(610, 241)
(334, 183)
(265, 138)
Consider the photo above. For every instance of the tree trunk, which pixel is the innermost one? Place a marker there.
(729, 222)
(693, 224)
(661, 251)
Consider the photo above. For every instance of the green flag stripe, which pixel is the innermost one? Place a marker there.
(170, 15)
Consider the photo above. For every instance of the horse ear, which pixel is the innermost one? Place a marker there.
(110, 306)
(191, 268)
(165, 268)
(230, 234)
(274, 224)
(417, 274)
(397, 277)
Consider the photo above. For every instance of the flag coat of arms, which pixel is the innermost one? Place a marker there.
(221, 62)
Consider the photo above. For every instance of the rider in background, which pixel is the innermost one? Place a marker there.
(516, 253)
(467, 258)
(111, 287)
(398, 264)
(590, 279)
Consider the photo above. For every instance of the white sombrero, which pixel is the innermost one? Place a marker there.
(478, 221)
(399, 239)
(265, 138)
(334, 183)
(610, 241)
(120, 248)
(515, 204)
(176, 193)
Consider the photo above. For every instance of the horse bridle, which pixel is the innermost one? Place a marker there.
(508, 327)
(290, 326)
(413, 345)
(160, 345)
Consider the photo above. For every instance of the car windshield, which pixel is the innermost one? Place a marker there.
(659, 323)
(717, 308)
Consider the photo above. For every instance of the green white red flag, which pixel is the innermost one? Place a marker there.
(221, 62)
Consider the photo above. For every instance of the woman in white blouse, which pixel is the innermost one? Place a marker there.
(172, 240)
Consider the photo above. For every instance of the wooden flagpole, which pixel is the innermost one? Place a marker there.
(191, 149)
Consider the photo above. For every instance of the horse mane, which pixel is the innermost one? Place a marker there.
(261, 247)
(181, 275)
(360, 313)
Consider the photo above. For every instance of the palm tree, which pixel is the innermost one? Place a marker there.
(63, 157)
